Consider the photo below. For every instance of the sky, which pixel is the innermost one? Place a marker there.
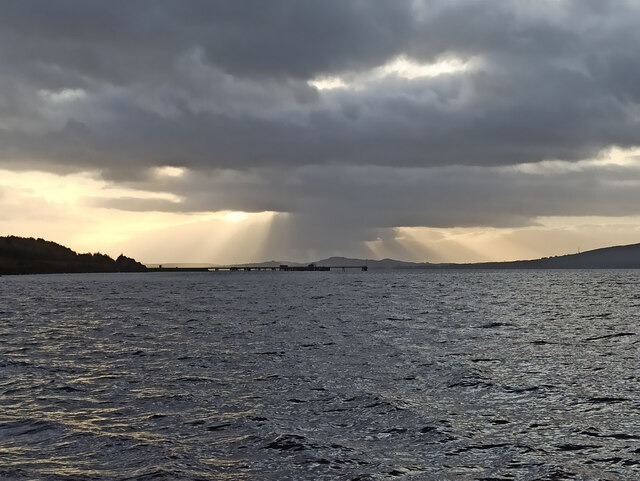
(220, 132)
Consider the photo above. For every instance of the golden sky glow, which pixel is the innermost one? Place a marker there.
(56, 207)
(552, 236)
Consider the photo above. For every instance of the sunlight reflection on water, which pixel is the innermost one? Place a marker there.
(275, 376)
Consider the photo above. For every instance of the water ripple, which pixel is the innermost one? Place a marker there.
(483, 375)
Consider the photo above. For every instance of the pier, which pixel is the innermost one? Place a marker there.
(286, 268)
(249, 268)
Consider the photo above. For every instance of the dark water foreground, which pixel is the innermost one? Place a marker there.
(486, 375)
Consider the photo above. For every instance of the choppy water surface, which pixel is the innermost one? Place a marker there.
(483, 375)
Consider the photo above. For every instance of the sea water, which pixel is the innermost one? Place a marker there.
(408, 375)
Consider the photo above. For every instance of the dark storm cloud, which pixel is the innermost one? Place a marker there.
(217, 85)
(223, 84)
(387, 197)
(286, 38)
(334, 208)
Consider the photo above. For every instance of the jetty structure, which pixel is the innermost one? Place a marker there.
(249, 268)
(287, 268)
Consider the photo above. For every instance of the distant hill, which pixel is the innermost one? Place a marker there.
(270, 264)
(22, 255)
(202, 265)
(617, 257)
(374, 264)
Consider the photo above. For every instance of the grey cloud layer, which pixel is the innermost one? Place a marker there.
(331, 207)
(224, 84)
(387, 197)
(126, 86)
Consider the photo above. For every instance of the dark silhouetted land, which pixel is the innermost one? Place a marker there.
(618, 257)
(22, 255)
